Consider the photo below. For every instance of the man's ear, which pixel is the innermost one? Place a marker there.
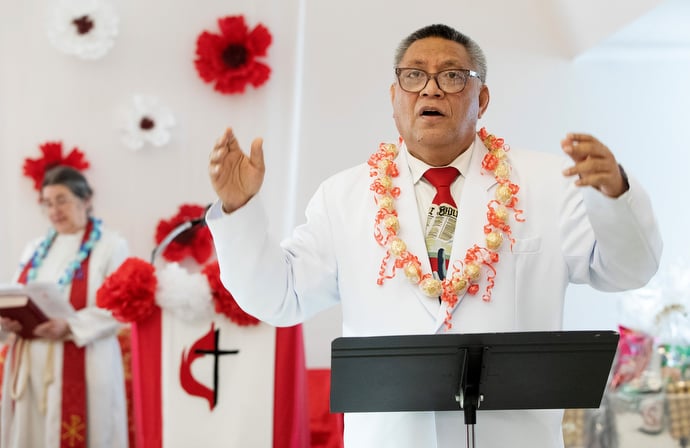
(484, 97)
(392, 92)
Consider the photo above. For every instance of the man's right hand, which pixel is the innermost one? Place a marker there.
(235, 177)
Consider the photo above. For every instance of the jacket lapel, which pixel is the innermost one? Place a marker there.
(411, 230)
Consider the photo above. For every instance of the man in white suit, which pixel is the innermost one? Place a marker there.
(528, 224)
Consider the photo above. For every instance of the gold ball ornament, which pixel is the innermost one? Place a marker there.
(383, 165)
(390, 148)
(391, 222)
(413, 272)
(386, 182)
(457, 284)
(502, 214)
(397, 247)
(386, 203)
(472, 271)
(502, 171)
(500, 154)
(431, 287)
(503, 193)
(494, 240)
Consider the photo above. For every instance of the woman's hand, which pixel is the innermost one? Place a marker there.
(10, 325)
(55, 329)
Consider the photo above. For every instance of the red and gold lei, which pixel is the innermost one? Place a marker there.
(479, 262)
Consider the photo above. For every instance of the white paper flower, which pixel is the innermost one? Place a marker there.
(83, 28)
(186, 295)
(146, 120)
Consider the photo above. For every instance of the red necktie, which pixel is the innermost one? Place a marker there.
(441, 179)
(441, 219)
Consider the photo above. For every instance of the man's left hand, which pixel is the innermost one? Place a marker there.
(595, 165)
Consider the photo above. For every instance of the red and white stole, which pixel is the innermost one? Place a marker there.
(73, 429)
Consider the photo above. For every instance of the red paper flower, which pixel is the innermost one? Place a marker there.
(195, 242)
(224, 301)
(229, 58)
(52, 156)
(130, 291)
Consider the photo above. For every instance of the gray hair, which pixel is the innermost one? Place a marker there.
(70, 178)
(445, 32)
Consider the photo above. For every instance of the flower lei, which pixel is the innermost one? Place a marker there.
(84, 251)
(466, 274)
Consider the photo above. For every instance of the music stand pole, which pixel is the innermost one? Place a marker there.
(470, 440)
(468, 396)
(470, 411)
(469, 405)
(470, 420)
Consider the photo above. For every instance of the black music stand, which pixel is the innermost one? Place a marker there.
(483, 371)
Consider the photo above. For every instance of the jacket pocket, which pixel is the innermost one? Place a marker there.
(522, 246)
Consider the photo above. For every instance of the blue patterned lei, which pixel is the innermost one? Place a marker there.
(84, 251)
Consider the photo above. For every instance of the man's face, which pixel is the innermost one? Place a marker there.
(437, 125)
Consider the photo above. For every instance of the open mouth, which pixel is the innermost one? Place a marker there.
(430, 112)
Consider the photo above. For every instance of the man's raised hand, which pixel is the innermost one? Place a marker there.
(235, 177)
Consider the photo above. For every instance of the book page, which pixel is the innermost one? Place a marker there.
(13, 301)
(12, 289)
(47, 297)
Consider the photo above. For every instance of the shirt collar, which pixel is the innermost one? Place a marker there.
(418, 167)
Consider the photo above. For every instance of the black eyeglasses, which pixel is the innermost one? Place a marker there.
(414, 80)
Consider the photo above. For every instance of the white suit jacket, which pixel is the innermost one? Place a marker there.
(570, 234)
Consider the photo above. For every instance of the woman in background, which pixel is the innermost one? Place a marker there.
(65, 386)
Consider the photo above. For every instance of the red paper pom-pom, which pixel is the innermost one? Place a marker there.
(229, 59)
(130, 291)
(195, 242)
(224, 301)
(52, 156)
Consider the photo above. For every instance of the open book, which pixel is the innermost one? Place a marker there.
(33, 304)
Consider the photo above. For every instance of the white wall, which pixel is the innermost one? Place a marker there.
(322, 113)
(48, 95)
